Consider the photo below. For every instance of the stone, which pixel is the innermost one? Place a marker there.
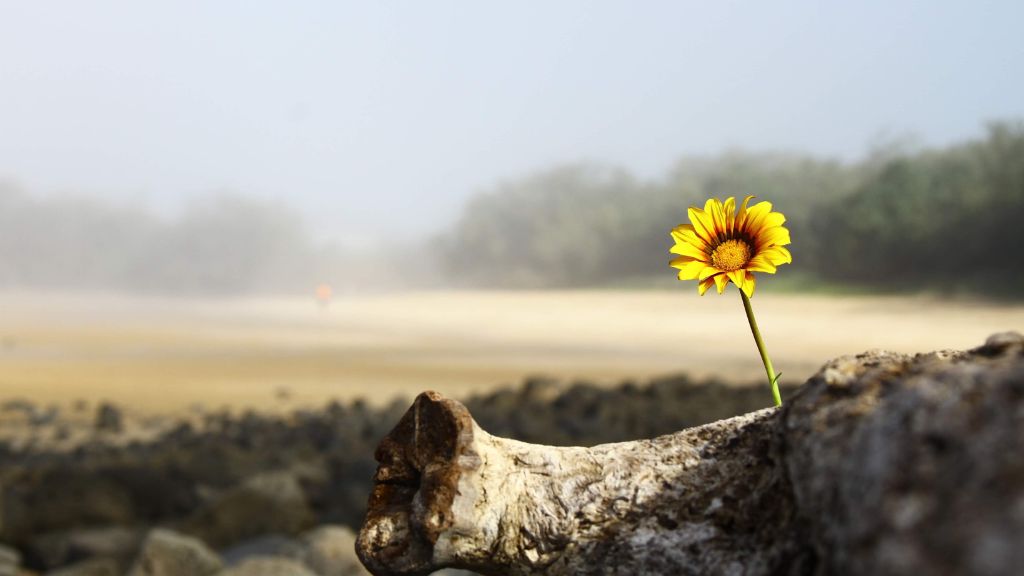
(53, 549)
(108, 541)
(90, 567)
(268, 503)
(330, 551)
(167, 553)
(272, 545)
(913, 464)
(268, 567)
(18, 405)
(10, 561)
(63, 496)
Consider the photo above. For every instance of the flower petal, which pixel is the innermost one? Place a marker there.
(755, 217)
(774, 219)
(686, 233)
(730, 215)
(684, 249)
(721, 281)
(703, 286)
(773, 237)
(688, 270)
(741, 217)
(760, 263)
(776, 255)
(708, 272)
(738, 277)
(749, 285)
(702, 224)
(714, 207)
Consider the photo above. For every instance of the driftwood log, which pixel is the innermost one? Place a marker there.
(881, 464)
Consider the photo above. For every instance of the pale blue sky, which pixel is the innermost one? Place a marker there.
(379, 118)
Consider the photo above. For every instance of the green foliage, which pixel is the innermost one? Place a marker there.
(941, 220)
(570, 226)
(946, 220)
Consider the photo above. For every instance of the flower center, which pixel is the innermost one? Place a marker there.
(731, 255)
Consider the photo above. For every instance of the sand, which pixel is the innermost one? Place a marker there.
(170, 355)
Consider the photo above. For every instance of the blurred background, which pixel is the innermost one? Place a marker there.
(246, 204)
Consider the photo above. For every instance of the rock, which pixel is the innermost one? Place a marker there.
(268, 503)
(53, 549)
(273, 545)
(330, 551)
(115, 542)
(540, 389)
(268, 567)
(67, 494)
(48, 550)
(18, 405)
(913, 464)
(45, 417)
(109, 418)
(90, 567)
(10, 561)
(167, 553)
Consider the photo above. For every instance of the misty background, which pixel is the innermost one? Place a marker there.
(244, 147)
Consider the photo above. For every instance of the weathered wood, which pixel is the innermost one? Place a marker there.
(881, 464)
(705, 500)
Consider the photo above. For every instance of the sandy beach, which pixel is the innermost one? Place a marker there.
(167, 355)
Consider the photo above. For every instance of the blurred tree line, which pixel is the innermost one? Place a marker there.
(225, 244)
(944, 220)
(220, 245)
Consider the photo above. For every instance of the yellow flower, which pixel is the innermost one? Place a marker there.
(720, 245)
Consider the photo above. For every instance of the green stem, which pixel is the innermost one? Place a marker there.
(773, 380)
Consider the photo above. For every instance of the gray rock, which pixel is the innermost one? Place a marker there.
(167, 553)
(90, 567)
(47, 417)
(10, 560)
(913, 464)
(41, 510)
(107, 541)
(18, 405)
(268, 503)
(49, 549)
(268, 567)
(330, 551)
(273, 545)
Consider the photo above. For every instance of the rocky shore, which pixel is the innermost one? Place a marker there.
(95, 491)
(884, 464)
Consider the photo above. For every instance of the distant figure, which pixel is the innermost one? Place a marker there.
(323, 295)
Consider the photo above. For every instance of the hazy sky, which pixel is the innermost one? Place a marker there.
(380, 118)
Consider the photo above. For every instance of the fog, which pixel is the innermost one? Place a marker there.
(221, 245)
(244, 147)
